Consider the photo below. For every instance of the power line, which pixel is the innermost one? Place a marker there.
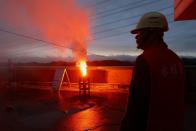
(32, 38)
(29, 37)
(111, 29)
(63, 46)
(122, 26)
(96, 4)
(121, 33)
(33, 50)
(36, 50)
(22, 47)
(13, 43)
(26, 47)
(117, 34)
(126, 9)
(99, 3)
(127, 18)
(30, 49)
(117, 8)
(37, 47)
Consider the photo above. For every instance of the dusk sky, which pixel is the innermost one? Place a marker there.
(103, 26)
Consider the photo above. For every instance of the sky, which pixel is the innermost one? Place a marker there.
(97, 28)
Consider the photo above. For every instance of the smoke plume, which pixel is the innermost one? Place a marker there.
(62, 22)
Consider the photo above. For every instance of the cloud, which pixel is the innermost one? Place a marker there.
(62, 23)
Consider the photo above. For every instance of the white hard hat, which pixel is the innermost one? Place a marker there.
(152, 20)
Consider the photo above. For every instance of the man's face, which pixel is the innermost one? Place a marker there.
(141, 37)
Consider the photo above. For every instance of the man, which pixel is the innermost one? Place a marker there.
(156, 99)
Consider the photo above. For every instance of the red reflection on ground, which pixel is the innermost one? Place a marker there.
(86, 119)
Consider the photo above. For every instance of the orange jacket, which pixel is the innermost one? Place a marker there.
(156, 102)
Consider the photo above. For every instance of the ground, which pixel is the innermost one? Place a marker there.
(42, 110)
(30, 109)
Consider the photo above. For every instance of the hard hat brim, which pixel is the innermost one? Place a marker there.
(134, 31)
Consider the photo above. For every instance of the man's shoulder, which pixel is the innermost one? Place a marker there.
(141, 59)
(173, 54)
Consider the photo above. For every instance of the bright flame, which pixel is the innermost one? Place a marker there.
(83, 67)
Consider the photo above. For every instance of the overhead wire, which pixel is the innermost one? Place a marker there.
(127, 18)
(126, 9)
(30, 37)
(118, 27)
(99, 3)
(116, 8)
(28, 47)
(46, 43)
(118, 34)
(29, 50)
(108, 30)
(120, 20)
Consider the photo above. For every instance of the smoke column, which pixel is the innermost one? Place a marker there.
(62, 22)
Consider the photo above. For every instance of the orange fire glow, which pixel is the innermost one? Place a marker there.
(83, 67)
